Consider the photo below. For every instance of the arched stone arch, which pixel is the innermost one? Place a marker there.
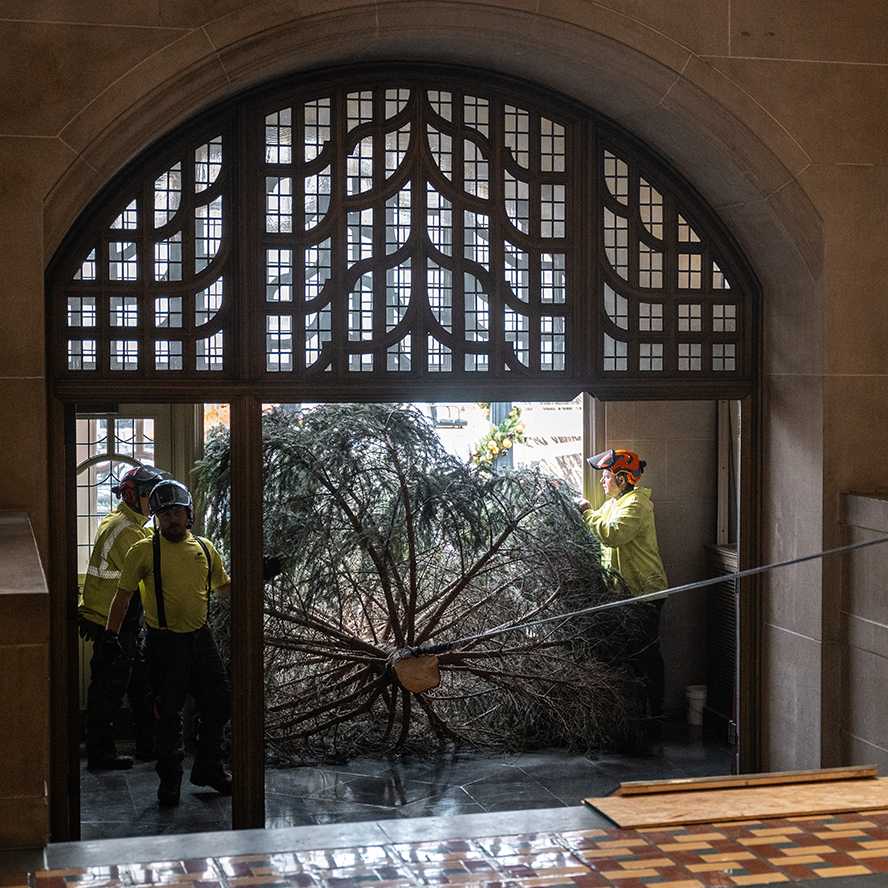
(738, 157)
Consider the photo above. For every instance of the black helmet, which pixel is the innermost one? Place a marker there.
(169, 493)
(138, 482)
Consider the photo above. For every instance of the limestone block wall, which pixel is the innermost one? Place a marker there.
(24, 688)
(863, 623)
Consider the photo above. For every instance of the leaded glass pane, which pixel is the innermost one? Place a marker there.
(208, 302)
(690, 356)
(616, 242)
(318, 326)
(207, 234)
(81, 311)
(398, 356)
(318, 268)
(690, 317)
(359, 167)
(439, 221)
(278, 343)
(724, 357)
(359, 108)
(517, 194)
(477, 313)
(318, 189)
(477, 234)
(724, 317)
(552, 343)
(128, 219)
(476, 172)
(278, 204)
(210, 352)
(650, 203)
(317, 131)
(124, 354)
(617, 307)
(278, 275)
(124, 311)
(553, 278)
(168, 259)
(123, 263)
(168, 311)
(207, 164)
(396, 145)
(442, 103)
(167, 195)
(168, 355)
(517, 333)
(517, 134)
(552, 146)
(439, 287)
(615, 354)
(360, 310)
(650, 356)
(398, 286)
(650, 317)
(650, 267)
(477, 114)
(279, 136)
(552, 214)
(690, 271)
(82, 354)
(440, 357)
(616, 176)
(441, 146)
(398, 219)
(87, 271)
(518, 271)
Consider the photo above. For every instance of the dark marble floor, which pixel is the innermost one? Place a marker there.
(467, 819)
(117, 804)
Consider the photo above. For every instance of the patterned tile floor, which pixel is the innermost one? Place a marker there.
(446, 823)
(794, 850)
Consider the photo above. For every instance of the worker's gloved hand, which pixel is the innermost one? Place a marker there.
(583, 504)
(108, 648)
(272, 565)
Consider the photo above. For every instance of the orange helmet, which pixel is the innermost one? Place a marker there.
(619, 461)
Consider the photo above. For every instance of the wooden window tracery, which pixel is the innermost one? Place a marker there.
(380, 230)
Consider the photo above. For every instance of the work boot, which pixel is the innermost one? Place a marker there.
(145, 752)
(220, 780)
(110, 761)
(168, 791)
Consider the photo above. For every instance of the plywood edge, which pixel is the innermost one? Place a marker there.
(777, 778)
(641, 822)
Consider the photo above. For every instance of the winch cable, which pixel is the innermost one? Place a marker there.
(448, 645)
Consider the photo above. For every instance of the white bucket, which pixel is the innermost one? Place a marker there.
(696, 695)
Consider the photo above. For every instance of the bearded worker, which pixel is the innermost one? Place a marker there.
(178, 571)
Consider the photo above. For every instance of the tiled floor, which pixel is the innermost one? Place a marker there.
(513, 822)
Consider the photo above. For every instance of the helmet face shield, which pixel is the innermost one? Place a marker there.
(619, 461)
(137, 483)
(169, 493)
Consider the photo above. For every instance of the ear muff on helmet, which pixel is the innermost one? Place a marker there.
(137, 483)
(619, 462)
(169, 493)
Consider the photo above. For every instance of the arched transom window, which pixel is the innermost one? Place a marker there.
(373, 231)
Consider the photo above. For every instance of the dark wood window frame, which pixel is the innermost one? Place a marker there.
(576, 259)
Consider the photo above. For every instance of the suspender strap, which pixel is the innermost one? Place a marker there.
(158, 583)
(206, 551)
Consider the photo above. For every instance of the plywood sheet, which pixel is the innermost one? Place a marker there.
(743, 803)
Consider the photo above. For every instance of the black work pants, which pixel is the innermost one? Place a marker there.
(110, 679)
(181, 664)
(646, 659)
